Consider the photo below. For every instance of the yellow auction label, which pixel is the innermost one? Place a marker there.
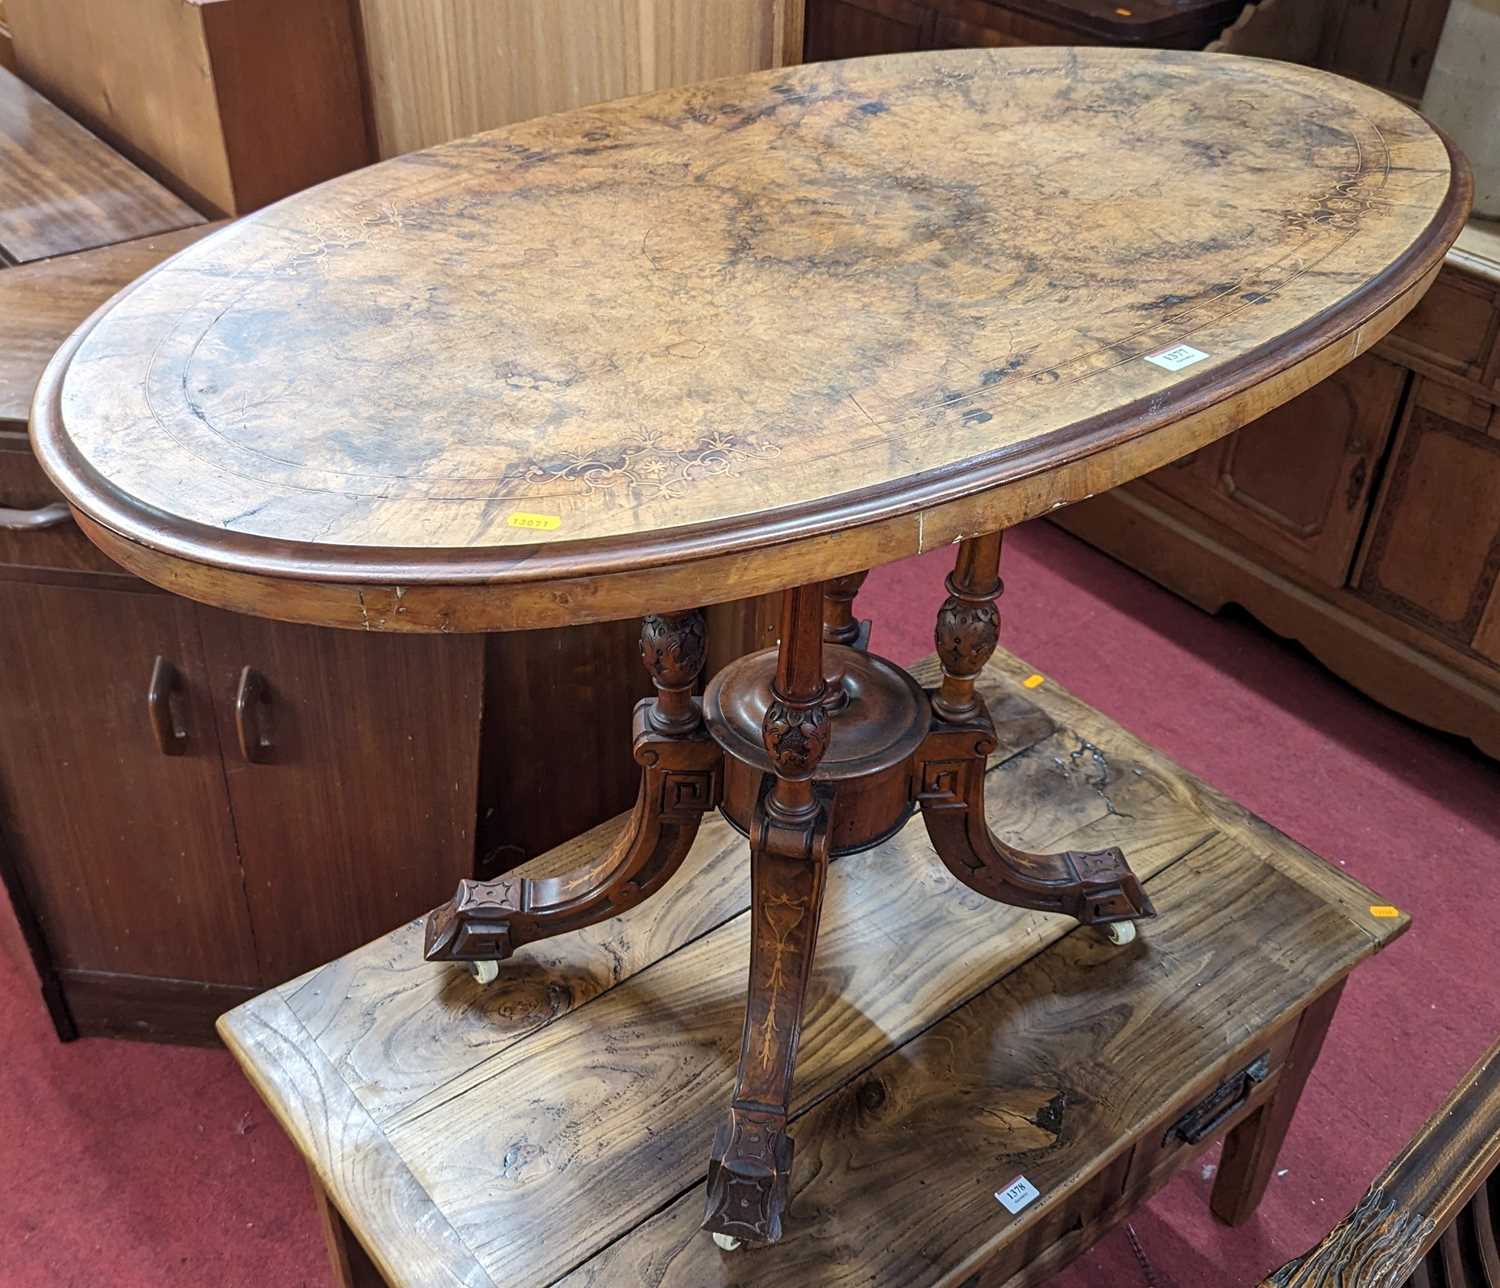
(1384, 910)
(541, 522)
(1034, 681)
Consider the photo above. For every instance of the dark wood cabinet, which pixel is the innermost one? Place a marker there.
(1361, 518)
(1311, 515)
(130, 858)
(280, 794)
(350, 764)
(854, 28)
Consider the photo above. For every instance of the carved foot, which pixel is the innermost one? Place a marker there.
(749, 1170)
(473, 926)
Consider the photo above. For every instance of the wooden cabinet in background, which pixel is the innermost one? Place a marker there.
(128, 851)
(232, 103)
(1362, 518)
(195, 805)
(855, 28)
(1312, 515)
(351, 763)
(1433, 551)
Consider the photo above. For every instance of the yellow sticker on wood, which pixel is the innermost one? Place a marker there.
(1384, 910)
(1034, 681)
(541, 522)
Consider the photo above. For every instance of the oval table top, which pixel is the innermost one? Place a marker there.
(719, 340)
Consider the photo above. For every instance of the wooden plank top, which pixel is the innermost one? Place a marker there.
(554, 1125)
(42, 304)
(63, 190)
(614, 359)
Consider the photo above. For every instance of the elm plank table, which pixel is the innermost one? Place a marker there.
(548, 1129)
(753, 336)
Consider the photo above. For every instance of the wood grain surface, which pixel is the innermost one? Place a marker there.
(714, 340)
(554, 1124)
(62, 190)
(41, 304)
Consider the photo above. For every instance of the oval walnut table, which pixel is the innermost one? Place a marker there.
(757, 335)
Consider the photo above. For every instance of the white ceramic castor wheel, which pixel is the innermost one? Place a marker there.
(485, 972)
(1119, 933)
(727, 1241)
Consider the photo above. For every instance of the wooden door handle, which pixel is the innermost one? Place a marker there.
(252, 711)
(166, 721)
(44, 516)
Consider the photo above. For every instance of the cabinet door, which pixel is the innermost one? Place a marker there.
(1297, 481)
(1432, 554)
(351, 760)
(854, 28)
(125, 853)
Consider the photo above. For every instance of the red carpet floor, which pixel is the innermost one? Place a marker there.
(132, 1165)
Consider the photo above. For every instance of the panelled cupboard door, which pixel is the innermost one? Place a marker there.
(1432, 553)
(1311, 515)
(351, 760)
(112, 787)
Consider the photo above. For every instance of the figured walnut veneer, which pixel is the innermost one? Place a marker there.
(722, 340)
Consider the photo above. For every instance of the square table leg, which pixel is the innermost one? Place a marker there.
(1251, 1149)
(351, 1265)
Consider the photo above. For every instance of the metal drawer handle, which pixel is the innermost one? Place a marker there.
(252, 711)
(166, 723)
(46, 516)
(1215, 1109)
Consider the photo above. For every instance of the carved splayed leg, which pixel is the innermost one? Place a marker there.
(751, 1159)
(681, 780)
(1095, 886)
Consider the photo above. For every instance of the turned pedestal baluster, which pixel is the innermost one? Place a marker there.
(841, 626)
(1096, 886)
(681, 780)
(751, 1158)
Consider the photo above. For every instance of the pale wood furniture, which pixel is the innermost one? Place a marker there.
(1433, 1216)
(62, 190)
(233, 103)
(750, 336)
(548, 1129)
(438, 69)
(1361, 519)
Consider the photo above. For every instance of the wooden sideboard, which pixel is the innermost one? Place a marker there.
(1362, 518)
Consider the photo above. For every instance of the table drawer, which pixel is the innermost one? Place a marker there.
(1193, 1124)
(34, 531)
